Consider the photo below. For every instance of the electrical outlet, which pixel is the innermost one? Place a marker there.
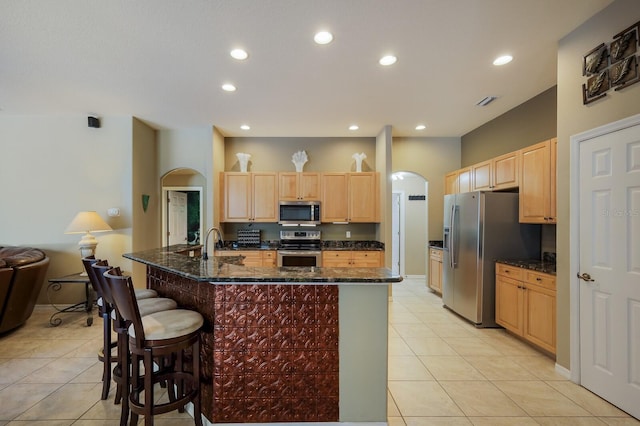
(348, 234)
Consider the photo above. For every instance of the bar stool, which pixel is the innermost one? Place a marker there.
(163, 336)
(147, 305)
(104, 309)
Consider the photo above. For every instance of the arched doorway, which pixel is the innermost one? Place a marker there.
(182, 207)
(410, 219)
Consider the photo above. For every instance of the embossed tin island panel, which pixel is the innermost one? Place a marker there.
(269, 352)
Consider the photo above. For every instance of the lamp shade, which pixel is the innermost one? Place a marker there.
(87, 222)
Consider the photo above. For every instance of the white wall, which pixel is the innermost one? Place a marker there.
(52, 167)
(574, 118)
(431, 158)
(415, 226)
(189, 148)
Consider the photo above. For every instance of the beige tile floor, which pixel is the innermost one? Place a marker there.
(442, 371)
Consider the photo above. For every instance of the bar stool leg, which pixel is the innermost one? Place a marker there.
(106, 355)
(148, 387)
(197, 409)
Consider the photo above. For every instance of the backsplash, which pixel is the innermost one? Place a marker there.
(548, 256)
(548, 239)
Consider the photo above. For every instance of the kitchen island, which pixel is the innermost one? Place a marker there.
(289, 344)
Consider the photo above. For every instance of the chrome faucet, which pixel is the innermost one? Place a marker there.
(205, 256)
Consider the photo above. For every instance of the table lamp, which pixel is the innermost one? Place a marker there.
(86, 223)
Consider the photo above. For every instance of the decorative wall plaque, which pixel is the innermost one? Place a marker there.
(596, 60)
(611, 66)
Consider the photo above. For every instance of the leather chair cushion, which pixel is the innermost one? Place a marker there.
(19, 256)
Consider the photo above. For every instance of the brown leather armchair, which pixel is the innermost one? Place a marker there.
(22, 272)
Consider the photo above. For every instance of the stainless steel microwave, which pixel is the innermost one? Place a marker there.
(299, 213)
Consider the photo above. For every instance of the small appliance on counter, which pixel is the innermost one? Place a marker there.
(248, 237)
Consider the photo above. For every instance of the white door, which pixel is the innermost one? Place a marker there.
(609, 263)
(395, 230)
(177, 212)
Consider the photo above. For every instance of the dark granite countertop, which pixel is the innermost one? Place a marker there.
(352, 245)
(436, 244)
(531, 264)
(326, 245)
(226, 269)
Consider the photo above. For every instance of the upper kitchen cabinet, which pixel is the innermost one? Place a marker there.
(457, 181)
(250, 197)
(299, 186)
(350, 197)
(498, 173)
(538, 183)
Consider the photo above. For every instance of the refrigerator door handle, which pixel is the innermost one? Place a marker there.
(452, 237)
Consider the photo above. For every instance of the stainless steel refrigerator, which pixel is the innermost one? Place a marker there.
(479, 228)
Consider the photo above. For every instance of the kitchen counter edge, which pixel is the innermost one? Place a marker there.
(531, 264)
(225, 270)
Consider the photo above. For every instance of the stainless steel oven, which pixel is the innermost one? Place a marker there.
(299, 248)
(299, 258)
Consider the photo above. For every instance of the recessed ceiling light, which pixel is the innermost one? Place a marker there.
(354, 127)
(421, 127)
(502, 60)
(228, 87)
(323, 37)
(388, 60)
(245, 127)
(239, 54)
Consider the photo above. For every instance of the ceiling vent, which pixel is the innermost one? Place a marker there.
(486, 101)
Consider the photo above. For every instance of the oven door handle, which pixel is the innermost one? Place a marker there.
(300, 252)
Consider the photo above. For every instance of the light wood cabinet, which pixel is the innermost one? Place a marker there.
(250, 197)
(269, 258)
(481, 176)
(458, 181)
(506, 171)
(252, 257)
(366, 259)
(351, 259)
(498, 173)
(435, 270)
(526, 304)
(538, 183)
(299, 186)
(451, 183)
(350, 197)
(553, 181)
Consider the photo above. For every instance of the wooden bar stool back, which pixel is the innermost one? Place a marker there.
(104, 309)
(169, 335)
(148, 303)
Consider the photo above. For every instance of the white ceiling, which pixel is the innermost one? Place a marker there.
(164, 61)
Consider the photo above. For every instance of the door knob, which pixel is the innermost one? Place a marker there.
(585, 277)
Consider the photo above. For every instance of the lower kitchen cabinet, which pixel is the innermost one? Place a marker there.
(352, 259)
(269, 258)
(252, 257)
(435, 270)
(526, 304)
